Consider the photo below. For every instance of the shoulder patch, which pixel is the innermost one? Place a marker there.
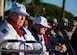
(4, 30)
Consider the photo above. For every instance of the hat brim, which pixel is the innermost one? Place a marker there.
(46, 25)
(23, 13)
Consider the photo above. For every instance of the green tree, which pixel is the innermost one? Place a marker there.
(36, 1)
(49, 11)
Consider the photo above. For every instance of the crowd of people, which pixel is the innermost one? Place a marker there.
(56, 36)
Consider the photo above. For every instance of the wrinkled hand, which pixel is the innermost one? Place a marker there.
(58, 48)
(64, 48)
(61, 48)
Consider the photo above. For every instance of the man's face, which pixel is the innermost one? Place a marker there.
(54, 25)
(65, 24)
(19, 20)
(73, 28)
(42, 29)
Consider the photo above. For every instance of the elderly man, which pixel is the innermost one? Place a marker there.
(10, 29)
(40, 25)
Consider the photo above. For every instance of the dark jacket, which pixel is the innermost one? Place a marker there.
(73, 41)
(63, 39)
(52, 42)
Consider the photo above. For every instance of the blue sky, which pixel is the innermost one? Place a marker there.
(70, 5)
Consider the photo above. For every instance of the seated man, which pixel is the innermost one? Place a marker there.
(40, 25)
(10, 29)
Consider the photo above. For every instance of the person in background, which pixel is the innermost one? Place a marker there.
(74, 39)
(39, 28)
(26, 24)
(9, 30)
(62, 35)
(30, 21)
(71, 28)
(53, 41)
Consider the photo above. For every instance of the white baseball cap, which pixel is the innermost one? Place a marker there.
(19, 9)
(41, 20)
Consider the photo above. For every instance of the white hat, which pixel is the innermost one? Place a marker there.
(19, 9)
(41, 20)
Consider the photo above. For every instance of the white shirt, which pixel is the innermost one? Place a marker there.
(28, 36)
(43, 43)
(9, 34)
